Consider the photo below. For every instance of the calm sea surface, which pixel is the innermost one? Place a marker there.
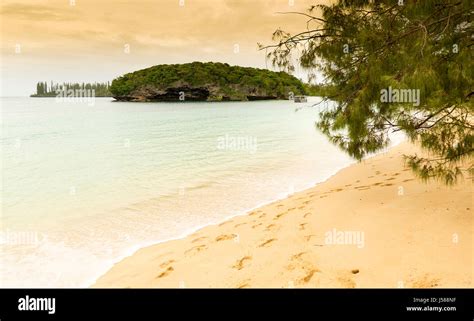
(83, 186)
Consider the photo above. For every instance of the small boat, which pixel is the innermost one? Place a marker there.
(300, 99)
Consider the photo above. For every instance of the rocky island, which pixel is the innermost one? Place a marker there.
(209, 81)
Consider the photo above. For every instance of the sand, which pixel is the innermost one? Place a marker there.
(371, 225)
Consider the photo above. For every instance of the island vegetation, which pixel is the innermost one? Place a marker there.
(65, 89)
(209, 81)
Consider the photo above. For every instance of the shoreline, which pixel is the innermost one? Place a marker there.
(120, 273)
(132, 250)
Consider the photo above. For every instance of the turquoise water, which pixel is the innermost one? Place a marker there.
(83, 186)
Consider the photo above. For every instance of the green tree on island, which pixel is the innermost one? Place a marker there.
(392, 66)
(213, 81)
(42, 89)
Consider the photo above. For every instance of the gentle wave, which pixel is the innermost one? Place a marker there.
(96, 184)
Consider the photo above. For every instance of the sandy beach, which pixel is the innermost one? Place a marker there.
(371, 225)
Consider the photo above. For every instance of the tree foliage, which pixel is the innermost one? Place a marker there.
(230, 80)
(364, 48)
(43, 90)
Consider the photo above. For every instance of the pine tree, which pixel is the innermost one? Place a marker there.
(365, 49)
(101, 89)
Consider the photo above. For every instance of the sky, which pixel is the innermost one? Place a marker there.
(98, 40)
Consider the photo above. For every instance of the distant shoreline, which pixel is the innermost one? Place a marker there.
(54, 96)
(167, 101)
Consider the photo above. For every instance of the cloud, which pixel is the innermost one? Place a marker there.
(35, 12)
(199, 23)
(62, 37)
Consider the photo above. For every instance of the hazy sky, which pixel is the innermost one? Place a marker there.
(86, 40)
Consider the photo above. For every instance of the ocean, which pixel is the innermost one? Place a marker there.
(84, 185)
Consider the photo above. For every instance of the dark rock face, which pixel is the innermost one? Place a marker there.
(252, 98)
(185, 94)
(182, 93)
(169, 94)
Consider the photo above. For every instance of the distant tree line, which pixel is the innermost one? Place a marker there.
(51, 90)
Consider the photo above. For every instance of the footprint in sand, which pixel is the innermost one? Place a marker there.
(408, 180)
(240, 264)
(323, 196)
(297, 262)
(225, 237)
(240, 224)
(297, 256)
(306, 215)
(346, 280)
(390, 179)
(362, 188)
(256, 225)
(244, 284)
(165, 264)
(389, 184)
(195, 249)
(199, 239)
(301, 207)
(263, 215)
(165, 273)
(267, 243)
(426, 281)
(280, 205)
(279, 216)
(306, 203)
(270, 227)
(309, 237)
(309, 275)
(302, 226)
